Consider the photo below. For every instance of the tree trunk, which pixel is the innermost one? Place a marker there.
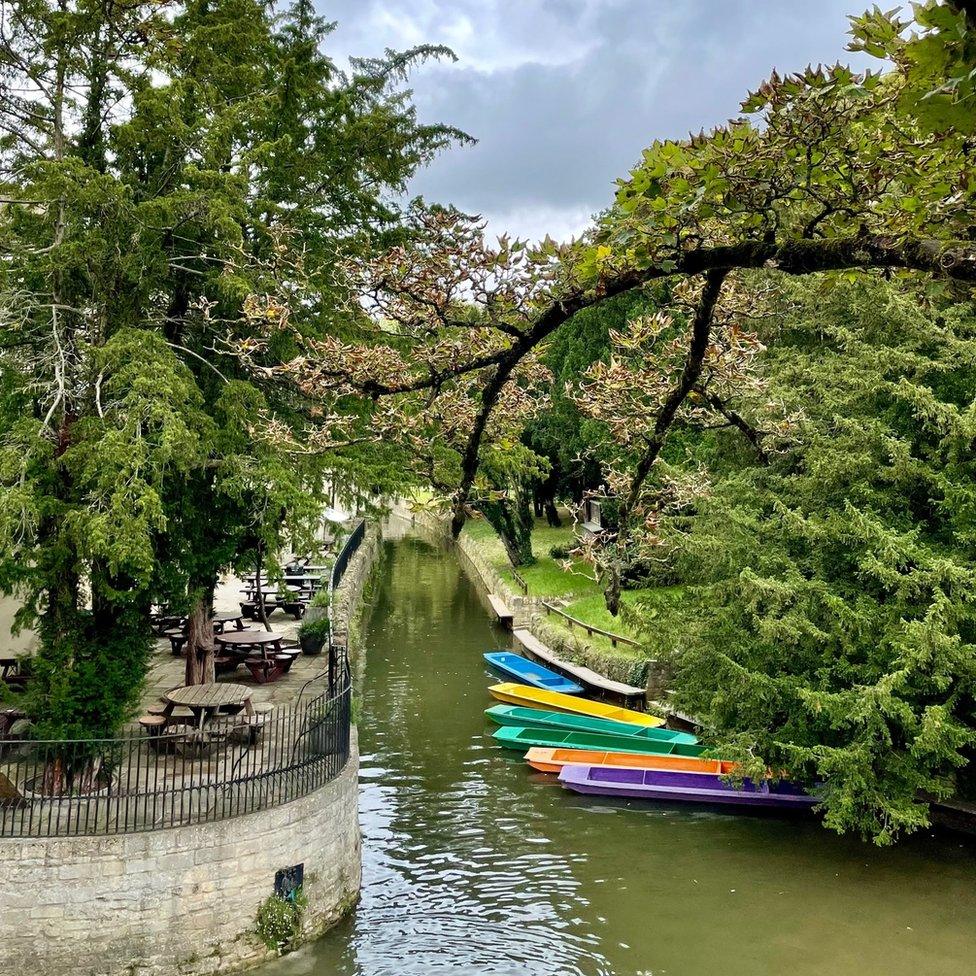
(200, 643)
(512, 519)
(611, 591)
(259, 591)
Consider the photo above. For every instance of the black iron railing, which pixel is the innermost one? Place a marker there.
(232, 766)
(349, 549)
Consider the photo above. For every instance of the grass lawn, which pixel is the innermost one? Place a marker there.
(547, 578)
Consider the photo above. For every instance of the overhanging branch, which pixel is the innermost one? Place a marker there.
(798, 257)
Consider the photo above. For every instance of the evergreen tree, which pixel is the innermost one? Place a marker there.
(171, 174)
(830, 630)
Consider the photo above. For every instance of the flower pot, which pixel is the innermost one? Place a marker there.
(311, 645)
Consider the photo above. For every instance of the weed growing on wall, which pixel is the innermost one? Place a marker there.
(280, 921)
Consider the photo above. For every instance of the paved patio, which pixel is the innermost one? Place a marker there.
(166, 670)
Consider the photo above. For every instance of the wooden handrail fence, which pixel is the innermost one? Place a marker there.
(614, 639)
(520, 581)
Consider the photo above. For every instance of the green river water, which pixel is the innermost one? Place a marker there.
(473, 864)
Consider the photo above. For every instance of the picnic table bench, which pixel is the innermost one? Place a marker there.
(303, 577)
(178, 635)
(11, 671)
(221, 620)
(204, 702)
(291, 599)
(265, 657)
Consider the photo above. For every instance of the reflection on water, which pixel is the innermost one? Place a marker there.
(474, 866)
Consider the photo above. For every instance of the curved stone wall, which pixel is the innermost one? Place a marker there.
(183, 900)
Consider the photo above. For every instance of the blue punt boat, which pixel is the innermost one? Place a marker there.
(529, 673)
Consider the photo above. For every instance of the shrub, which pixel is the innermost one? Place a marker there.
(321, 599)
(317, 628)
(280, 920)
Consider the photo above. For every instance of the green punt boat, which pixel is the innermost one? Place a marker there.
(519, 737)
(534, 718)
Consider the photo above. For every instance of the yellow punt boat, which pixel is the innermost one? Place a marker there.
(530, 697)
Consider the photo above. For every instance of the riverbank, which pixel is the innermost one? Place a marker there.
(628, 665)
(955, 815)
(184, 900)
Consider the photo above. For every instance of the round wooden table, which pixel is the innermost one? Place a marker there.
(220, 621)
(257, 639)
(265, 668)
(207, 699)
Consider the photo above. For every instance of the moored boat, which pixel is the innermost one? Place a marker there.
(548, 760)
(531, 718)
(673, 785)
(519, 694)
(527, 672)
(514, 737)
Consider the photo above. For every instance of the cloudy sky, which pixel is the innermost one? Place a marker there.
(562, 95)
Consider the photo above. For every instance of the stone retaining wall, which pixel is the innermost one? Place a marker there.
(183, 900)
(348, 596)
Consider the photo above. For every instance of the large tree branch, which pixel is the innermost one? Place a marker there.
(796, 257)
(754, 436)
(469, 460)
(701, 330)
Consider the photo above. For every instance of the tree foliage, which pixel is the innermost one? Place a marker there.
(830, 629)
(938, 59)
(171, 173)
(821, 173)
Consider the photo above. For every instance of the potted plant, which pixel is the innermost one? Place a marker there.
(314, 634)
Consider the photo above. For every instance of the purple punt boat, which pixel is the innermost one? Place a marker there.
(662, 784)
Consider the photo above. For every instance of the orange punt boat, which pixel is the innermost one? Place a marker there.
(553, 760)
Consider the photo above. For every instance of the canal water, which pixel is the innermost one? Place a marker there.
(475, 866)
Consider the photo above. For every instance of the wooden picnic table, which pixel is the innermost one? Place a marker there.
(207, 699)
(221, 620)
(266, 668)
(291, 599)
(259, 639)
(302, 577)
(9, 665)
(277, 592)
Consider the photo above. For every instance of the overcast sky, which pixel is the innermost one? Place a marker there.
(562, 95)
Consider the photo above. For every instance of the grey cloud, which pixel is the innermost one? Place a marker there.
(563, 95)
